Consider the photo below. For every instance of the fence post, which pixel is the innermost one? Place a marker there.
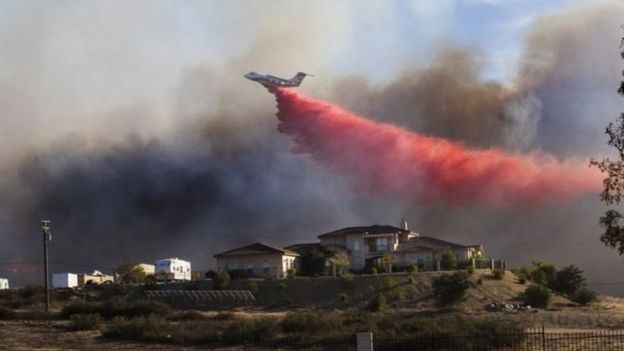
(543, 333)
(492, 264)
(364, 341)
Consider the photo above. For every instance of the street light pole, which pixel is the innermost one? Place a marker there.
(47, 237)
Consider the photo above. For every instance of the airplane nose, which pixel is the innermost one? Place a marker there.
(247, 75)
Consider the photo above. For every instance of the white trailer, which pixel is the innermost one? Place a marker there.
(4, 284)
(173, 269)
(64, 280)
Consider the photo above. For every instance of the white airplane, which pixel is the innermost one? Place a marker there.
(269, 81)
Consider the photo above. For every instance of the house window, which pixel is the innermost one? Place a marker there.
(381, 244)
(356, 245)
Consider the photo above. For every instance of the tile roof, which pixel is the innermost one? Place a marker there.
(372, 229)
(255, 249)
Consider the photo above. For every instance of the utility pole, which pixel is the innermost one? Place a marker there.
(47, 237)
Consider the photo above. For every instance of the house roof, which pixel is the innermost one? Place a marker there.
(372, 229)
(256, 249)
(427, 242)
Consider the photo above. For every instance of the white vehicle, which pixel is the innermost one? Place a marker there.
(173, 269)
(64, 280)
(4, 284)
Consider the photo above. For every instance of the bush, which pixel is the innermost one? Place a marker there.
(252, 286)
(189, 316)
(225, 316)
(281, 286)
(536, 296)
(568, 280)
(378, 303)
(85, 321)
(343, 298)
(348, 280)
(522, 280)
(312, 322)
(251, 330)
(112, 309)
(222, 280)
(584, 296)
(412, 268)
(290, 273)
(372, 270)
(498, 274)
(448, 260)
(450, 289)
(470, 270)
(136, 328)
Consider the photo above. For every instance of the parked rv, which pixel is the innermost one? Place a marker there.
(173, 269)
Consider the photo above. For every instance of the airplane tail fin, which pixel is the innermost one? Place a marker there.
(298, 78)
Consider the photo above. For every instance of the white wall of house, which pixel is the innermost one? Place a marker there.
(173, 269)
(4, 284)
(267, 265)
(64, 280)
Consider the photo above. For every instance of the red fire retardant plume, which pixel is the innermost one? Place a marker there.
(382, 159)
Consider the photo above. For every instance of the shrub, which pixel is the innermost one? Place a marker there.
(522, 280)
(373, 270)
(448, 260)
(85, 321)
(584, 296)
(113, 309)
(470, 270)
(7, 313)
(543, 273)
(290, 273)
(378, 303)
(281, 286)
(252, 286)
(225, 316)
(498, 274)
(251, 330)
(136, 328)
(450, 289)
(343, 298)
(536, 296)
(189, 316)
(480, 281)
(312, 322)
(348, 280)
(568, 280)
(412, 268)
(222, 280)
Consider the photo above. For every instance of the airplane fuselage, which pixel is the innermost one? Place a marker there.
(269, 81)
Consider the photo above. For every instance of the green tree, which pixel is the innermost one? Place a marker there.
(313, 263)
(568, 280)
(222, 280)
(450, 289)
(448, 260)
(613, 185)
(130, 274)
(584, 296)
(339, 262)
(543, 273)
(537, 296)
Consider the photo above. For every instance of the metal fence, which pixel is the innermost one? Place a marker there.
(530, 340)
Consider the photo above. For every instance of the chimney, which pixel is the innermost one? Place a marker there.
(404, 224)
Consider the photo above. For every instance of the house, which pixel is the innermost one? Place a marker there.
(148, 269)
(4, 284)
(258, 260)
(173, 269)
(368, 245)
(64, 280)
(94, 278)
